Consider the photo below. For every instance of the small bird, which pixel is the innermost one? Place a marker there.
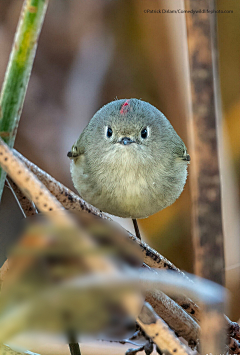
(129, 161)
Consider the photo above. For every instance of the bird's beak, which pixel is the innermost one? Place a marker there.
(71, 155)
(126, 141)
(187, 158)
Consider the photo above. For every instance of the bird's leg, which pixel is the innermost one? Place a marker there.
(74, 348)
(73, 344)
(138, 235)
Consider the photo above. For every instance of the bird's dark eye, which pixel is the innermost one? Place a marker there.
(109, 132)
(144, 133)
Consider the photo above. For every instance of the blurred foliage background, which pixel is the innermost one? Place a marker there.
(91, 52)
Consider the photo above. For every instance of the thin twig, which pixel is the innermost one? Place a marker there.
(16, 199)
(28, 208)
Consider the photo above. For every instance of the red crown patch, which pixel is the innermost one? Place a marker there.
(125, 107)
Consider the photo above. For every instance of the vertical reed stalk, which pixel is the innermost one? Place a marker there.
(18, 71)
(204, 173)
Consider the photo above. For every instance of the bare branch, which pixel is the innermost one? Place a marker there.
(66, 197)
(174, 316)
(160, 333)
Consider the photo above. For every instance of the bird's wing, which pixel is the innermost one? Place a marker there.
(80, 144)
(78, 148)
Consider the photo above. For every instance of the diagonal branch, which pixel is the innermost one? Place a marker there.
(175, 316)
(160, 333)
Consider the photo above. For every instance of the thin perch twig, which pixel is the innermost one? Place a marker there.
(19, 70)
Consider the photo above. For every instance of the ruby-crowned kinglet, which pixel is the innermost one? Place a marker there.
(129, 161)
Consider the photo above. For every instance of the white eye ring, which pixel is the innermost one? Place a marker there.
(108, 131)
(145, 132)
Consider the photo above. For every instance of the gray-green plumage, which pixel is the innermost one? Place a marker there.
(135, 177)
